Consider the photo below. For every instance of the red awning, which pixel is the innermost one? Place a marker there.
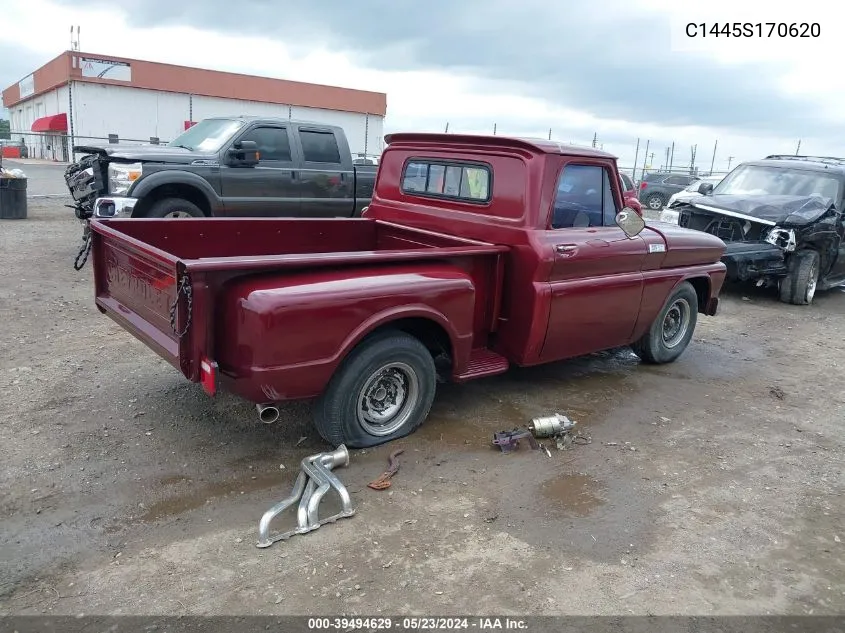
(54, 123)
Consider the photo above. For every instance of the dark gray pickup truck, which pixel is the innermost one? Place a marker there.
(228, 166)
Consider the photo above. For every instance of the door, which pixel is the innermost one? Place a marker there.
(269, 188)
(327, 186)
(837, 271)
(596, 278)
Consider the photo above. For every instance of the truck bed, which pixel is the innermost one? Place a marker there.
(139, 264)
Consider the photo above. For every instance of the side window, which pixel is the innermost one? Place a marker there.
(319, 147)
(447, 180)
(609, 209)
(273, 143)
(677, 180)
(578, 201)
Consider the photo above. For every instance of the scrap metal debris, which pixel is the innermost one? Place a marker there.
(559, 428)
(313, 482)
(508, 441)
(383, 482)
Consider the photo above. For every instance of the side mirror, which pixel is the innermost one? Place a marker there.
(630, 222)
(705, 188)
(244, 153)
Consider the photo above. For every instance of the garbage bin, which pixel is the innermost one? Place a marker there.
(12, 198)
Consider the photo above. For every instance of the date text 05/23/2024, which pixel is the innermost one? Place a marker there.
(418, 623)
(754, 29)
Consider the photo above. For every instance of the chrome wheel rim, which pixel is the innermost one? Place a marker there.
(676, 323)
(178, 214)
(388, 399)
(655, 203)
(812, 283)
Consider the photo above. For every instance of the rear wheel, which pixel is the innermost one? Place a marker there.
(174, 208)
(672, 330)
(799, 285)
(656, 202)
(381, 392)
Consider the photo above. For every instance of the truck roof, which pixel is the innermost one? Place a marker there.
(271, 119)
(536, 145)
(807, 163)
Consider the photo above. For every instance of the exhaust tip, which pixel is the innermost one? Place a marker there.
(267, 413)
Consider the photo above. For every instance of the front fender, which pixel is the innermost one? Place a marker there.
(282, 337)
(145, 185)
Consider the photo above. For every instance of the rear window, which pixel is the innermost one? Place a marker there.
(468, 182)
(319, 147)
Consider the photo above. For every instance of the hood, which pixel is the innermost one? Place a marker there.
(771, 209)
(145, 153)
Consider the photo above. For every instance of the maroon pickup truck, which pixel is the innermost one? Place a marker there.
(475, 254)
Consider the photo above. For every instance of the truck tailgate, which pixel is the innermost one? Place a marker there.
(135, 285)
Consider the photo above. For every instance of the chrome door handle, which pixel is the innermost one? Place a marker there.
(566, 249)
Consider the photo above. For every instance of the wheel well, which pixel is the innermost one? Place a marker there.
(702, 291)
(186, 192)
(428, 332)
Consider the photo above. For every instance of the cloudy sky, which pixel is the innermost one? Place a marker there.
(620, 69)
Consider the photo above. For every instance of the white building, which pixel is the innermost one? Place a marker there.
(78, 98)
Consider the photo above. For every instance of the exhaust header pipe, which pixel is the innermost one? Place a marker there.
(267, 413)
(315, 479)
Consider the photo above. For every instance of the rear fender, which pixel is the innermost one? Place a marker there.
(282, 337)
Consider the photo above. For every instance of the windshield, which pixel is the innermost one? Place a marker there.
(208, 135)
(758, 180)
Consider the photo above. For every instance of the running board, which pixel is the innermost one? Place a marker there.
(483, 362)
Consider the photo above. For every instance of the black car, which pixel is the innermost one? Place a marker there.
(656, 188)
(782, 221)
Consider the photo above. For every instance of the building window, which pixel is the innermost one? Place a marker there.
(470, 182)
(584, 198)
(319, 147)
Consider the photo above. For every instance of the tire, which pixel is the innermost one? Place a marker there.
(799, 285)
(655, 347)
(339, 418)
(174, 208)
(655, 201)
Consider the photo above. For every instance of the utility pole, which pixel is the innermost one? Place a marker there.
(595, 138)
(550, 134)
(672, 156)
(693, 150)
(730, 158)
(713, 160)
(666, 164)
(797, 149)
(446, 131)
(636, 157)
(651, 159)
(494, 129)
(645, 157)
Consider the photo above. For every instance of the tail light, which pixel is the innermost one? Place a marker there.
(643, 185)
(208, 376)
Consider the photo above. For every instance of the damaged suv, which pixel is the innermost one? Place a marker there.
(781, 219)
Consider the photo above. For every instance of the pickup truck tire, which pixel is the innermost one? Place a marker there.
(799, 285)
(672, 330)
(174, 208)
(382, 391)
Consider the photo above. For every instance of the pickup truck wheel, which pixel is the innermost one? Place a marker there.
(174, 208)
(381, 392)
(799, 285)
(672, 330)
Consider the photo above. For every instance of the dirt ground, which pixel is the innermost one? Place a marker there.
(711, 486)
